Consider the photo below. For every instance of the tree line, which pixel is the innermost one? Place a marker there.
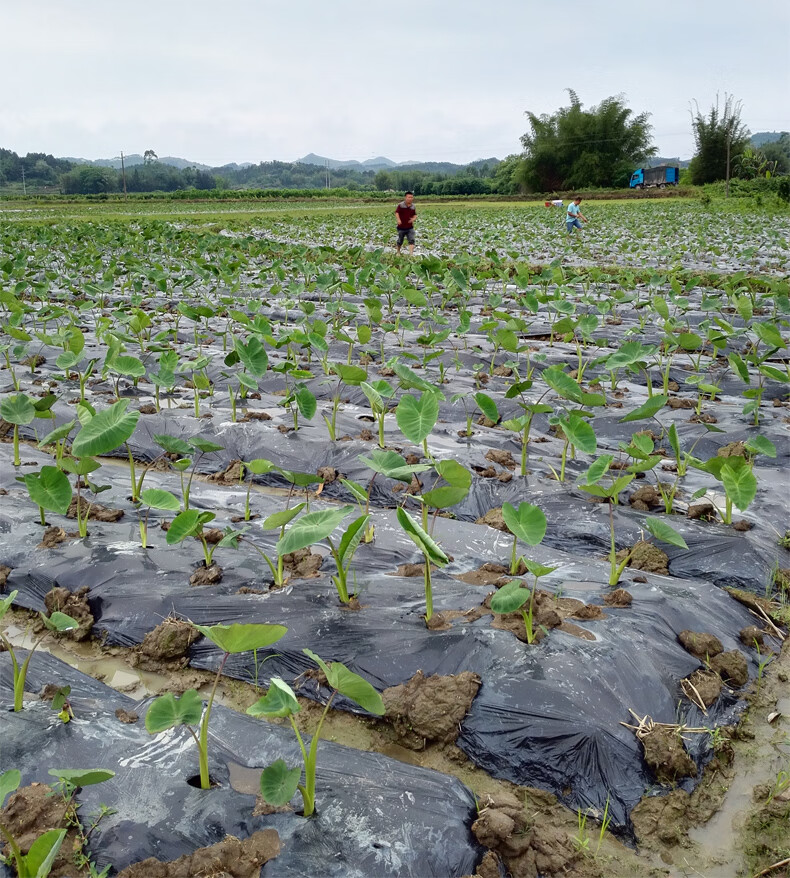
(575, 148)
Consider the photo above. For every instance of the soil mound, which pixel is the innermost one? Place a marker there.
(666, 755)
(230, 858)
(74, 604)
(430, 708)
(168, 643)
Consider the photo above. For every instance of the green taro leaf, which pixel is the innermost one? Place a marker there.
(131, 366)
(279, 519)
(442, 498)
(562, 383)
(527, 522)
(768, 333)
(598, 468)
(352, 375)
(206, 446)
(510, 597)
(167, 711)
(18, 409)
(184, 525)
(242, 638)
(647, 410)
(172, 445)
(280, 700)
(57, 621)
(537, 569)
(664, 532)
(253, 356)
(306, 402)
(105, 431)
(417, 416)
(9, 783)
(311, 528)
(42, 853)
(49, 489)
(57, 434)
(740, 484)
(761, 445)
(352, 537)
(392, 465)
(487, 406)
(279, 783)
(350, 685)
(82, 777)
(421, 539)
(579, 433)
(158, 498)
(454, 474)
(260, 466)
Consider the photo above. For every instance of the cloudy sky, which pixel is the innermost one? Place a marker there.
(256, 80)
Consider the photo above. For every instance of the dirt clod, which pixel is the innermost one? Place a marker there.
(5, 572)
(126, 716)
(742, 525)
(74, 604)
(303, 564)
(645, 556)
(618, 598)
(700, 645)
(231, 475)
(501, 457)
(666, 755)
(168, 642)
(752, 636)
(230, 858)
(206, 575)
(493, 518)
(645, 498)
(732, 449)
(702, 511)
(702, 685)
(54, 536)
(430, 708)
(731, 667)
(327, 474)
(94, 511)
(147, 409)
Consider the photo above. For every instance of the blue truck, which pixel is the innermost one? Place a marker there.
(661, 176)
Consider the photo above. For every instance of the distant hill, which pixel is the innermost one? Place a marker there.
(381, 163)
(762, 137)
(136, 159)
(674, 162)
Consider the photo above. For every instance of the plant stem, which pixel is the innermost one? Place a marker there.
(203, 741)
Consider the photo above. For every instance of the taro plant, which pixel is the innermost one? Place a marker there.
(168, 712)
(417, 416)
(317, 526)
(56, 622)
(49, 489)
(527, 523)
(362, 498)
(377, 392)
(189, 523)
(511, 598)
(279, 783)
(191, 452)
(350, 375)
(431, 553)
(458, 479)
(155, 498)
(483, 403)
(19, 411)
(593, 484)
(277, 521)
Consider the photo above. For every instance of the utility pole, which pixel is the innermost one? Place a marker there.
(727, 178)
(24, 187)
(123, 174)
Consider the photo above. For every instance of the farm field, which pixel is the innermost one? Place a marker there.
(504, 525)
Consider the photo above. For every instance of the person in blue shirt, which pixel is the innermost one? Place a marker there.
(573, 216)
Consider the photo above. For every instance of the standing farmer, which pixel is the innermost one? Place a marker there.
(406, 214)
(573, 216)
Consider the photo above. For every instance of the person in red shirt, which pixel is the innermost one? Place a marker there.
(406, 214)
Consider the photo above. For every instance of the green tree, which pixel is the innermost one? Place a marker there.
(89, 180)
(778, 152)
(576, 148)
(715, 135)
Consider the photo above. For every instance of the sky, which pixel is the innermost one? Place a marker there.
(435, 80)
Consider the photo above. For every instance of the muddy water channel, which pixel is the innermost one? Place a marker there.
(540, 512)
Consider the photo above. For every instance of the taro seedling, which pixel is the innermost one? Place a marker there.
(277, 521)
(38, 861)
(49, 489)
(417, 416)
(593, 484)
(431, 553)
(55, 622)
(189, 523)
(279, 783)
(511, 598)
(483, 402)
(316, 526)
(191, 451)
(526, 523)
(377, 392)
(156, 498)
(458, 479)
(350, 375)
(363, 502)
(19, 411)
(168, 712)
